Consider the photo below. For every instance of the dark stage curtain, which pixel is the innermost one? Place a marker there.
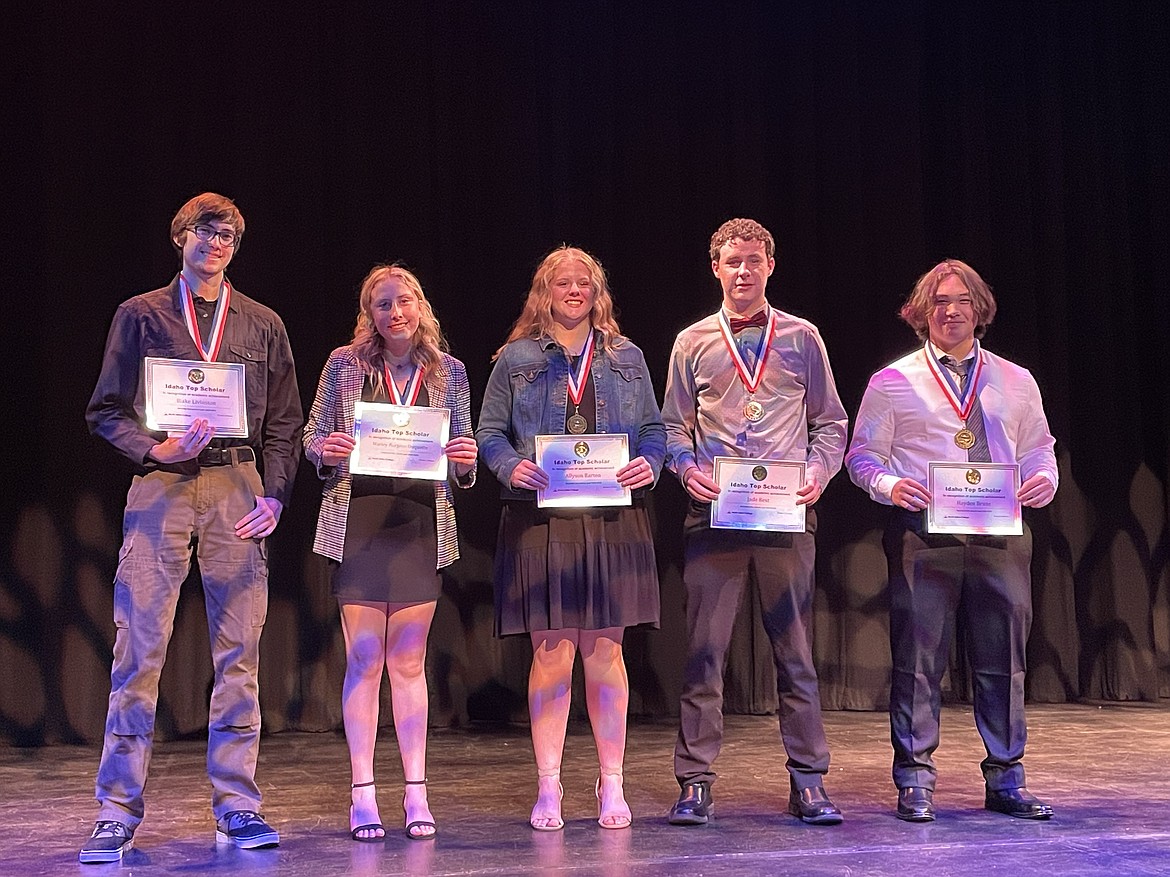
(467, 139)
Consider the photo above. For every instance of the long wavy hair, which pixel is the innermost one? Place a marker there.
(918, 305)
(426, 345)
(536, 319)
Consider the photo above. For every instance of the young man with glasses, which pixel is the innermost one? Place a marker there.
(221, 496)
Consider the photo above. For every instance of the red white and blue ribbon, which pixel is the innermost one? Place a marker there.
(963, 401)
(578, 381)
(210, 351)
(751, 377)
(409, 395)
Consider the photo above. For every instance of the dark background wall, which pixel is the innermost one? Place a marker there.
(872, 138)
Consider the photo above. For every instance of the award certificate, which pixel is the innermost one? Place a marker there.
(758, 495)
(974, 498)
(582, 470)
(405, 441)
(179, 391)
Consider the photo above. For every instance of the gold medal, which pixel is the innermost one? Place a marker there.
(965, 439)
(577, 424)
(753, 411)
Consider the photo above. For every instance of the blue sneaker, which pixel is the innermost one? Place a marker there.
(246, 829)
(108, 843)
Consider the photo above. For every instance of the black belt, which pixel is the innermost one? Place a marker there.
(226, 456)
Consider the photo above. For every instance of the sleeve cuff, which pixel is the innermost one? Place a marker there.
(885, 487)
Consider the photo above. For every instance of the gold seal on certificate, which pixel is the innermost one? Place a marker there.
(405, 441)
(758, 495)
(582, 470)
(180, 391)
(974, 499)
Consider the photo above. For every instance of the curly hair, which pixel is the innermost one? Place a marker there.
(745, 230)
(427, 343)
(918, 305)
(536, 319)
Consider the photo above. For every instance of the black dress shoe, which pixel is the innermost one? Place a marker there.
(694, 806)
(916, 804)
(1017, 802)
(813, 806)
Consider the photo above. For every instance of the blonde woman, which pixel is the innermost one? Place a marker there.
(572, 579)
(388, 537)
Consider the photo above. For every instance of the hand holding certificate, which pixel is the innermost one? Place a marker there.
(582, 470)
(181, 391)
(974, 498)
(405, 441)
(758, 495)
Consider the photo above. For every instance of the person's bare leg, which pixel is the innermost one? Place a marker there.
(550, 689)
(607, 696)
(364, 627)
(407, 628)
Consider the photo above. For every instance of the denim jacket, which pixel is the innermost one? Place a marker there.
(527, 395)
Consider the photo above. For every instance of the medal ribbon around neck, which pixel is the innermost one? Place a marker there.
(578, 381)
(408, 396)
(187, 300)
(960, 402)
(751, 379)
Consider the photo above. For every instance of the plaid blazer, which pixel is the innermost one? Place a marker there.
(340, 386)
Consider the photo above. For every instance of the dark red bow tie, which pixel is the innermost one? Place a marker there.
(760, 318)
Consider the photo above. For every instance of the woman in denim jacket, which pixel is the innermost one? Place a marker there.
(572, 579)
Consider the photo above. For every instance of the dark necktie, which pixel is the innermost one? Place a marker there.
(760, 318)
(978, 452)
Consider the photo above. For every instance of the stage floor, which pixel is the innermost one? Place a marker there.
(1106, 770)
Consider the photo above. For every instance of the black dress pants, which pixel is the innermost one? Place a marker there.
(986, 581)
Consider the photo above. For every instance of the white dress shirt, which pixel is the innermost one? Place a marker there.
(905, 422)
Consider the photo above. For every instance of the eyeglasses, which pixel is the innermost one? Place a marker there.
(206, 233)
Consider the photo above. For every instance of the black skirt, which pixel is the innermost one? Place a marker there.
(574, 568)
(391, 539)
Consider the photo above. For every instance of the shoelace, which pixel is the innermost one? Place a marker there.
(110, 828)
(242, 819)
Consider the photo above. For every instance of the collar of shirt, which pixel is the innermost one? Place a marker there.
(729, 316)
(176, 298)
(938, 354)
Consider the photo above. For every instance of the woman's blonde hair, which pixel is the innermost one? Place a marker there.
(536, 319)
(427, 343)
